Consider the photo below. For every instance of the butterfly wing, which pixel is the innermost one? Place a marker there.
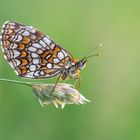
(31, 53)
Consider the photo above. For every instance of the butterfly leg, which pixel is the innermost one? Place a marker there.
(55, 85)
(79, 82)
(74, 82)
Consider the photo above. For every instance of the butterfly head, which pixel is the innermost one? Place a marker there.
(74, 70)
(81, 64)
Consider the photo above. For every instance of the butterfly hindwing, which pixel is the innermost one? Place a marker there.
(31, 53)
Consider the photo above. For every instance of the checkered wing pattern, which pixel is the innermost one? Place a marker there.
(31, 53)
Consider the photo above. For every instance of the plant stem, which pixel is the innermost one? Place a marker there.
(16, 82)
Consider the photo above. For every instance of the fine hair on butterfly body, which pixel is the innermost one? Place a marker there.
(74, 70)
(32, 54)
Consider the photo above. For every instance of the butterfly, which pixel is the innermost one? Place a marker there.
(32, 54)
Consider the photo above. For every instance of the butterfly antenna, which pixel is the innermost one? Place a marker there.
(97, 54)
(99, 45)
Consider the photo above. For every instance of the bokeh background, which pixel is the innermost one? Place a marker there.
(111, 82)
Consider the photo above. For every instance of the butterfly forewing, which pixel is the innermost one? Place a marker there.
(31, 53)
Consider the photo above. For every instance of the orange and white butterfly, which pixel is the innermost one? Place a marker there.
(32, 54)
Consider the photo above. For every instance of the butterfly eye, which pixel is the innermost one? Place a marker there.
(81, 64)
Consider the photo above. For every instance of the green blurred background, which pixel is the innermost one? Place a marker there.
(111, 81)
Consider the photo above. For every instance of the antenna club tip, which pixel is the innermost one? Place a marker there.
(99, 54)
(100, 44)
